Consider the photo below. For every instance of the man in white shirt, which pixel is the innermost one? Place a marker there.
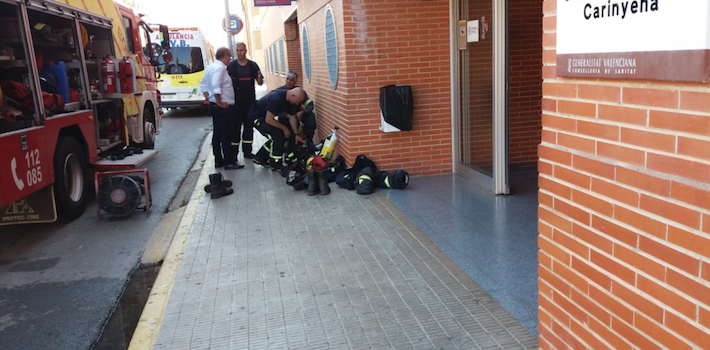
(216, 85)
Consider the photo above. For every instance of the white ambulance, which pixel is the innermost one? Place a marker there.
(180, 76)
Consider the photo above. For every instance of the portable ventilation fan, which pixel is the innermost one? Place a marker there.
(120, 195)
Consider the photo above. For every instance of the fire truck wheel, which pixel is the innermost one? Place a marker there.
(148, 129)
(69, 169)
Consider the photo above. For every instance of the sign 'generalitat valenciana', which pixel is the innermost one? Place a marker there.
(638, 39)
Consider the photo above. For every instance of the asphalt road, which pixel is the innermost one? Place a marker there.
(60, 282)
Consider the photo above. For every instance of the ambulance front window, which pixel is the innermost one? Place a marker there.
(186, 60)
(128, 25)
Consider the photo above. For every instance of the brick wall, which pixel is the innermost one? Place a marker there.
(331, 105)
(273, 29)
(292, 43)
(624, 211)
(380, 43)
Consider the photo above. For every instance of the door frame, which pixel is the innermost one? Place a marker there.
(498, 183)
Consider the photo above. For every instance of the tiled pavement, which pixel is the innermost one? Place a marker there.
(272, 268)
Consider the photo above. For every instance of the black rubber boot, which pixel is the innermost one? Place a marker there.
(323, 183)
(312, 183)
(216, 188)
(224, 183)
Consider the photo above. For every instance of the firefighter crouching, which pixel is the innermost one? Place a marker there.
(301, 121)
(264, 113)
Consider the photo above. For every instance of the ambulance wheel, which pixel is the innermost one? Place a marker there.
(148, 129)
(69, 170)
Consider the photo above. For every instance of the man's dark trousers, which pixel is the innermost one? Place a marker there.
(223, 123)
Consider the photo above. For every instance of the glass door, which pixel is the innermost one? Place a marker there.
(480, 91)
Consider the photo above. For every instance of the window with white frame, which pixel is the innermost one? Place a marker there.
(282, 55)
(276, 59)
(266, 58)
(306, 53)
(331, 47)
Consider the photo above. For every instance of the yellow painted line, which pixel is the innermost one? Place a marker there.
(151, 319)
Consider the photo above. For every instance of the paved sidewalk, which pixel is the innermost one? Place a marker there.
(272, 268)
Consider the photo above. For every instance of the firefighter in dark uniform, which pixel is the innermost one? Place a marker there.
(301, 121)
(244, 73)
(264, 114)
(305, 118)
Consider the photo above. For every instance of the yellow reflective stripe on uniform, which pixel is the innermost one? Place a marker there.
(308, 101)
(235, 143)
(363, 178)
(387, 182)
(247, 141)
(271, 151)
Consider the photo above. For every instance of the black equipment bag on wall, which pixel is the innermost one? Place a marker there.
(397, 105)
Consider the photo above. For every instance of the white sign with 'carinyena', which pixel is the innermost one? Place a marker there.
(635, 39)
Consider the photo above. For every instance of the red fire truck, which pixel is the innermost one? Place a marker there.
(78, 93)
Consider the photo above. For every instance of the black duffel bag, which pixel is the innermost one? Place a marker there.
(398, 179)
(345, 180)
(364, 181)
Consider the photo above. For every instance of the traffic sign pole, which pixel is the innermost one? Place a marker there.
(230, 41)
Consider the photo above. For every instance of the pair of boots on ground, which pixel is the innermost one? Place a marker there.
(218, 187)
(317, 183)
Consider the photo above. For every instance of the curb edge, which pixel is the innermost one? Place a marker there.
(151, 319)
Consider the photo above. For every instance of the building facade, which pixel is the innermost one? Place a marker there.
(624, 164)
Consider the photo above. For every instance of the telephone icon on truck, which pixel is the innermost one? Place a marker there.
(18, 182)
